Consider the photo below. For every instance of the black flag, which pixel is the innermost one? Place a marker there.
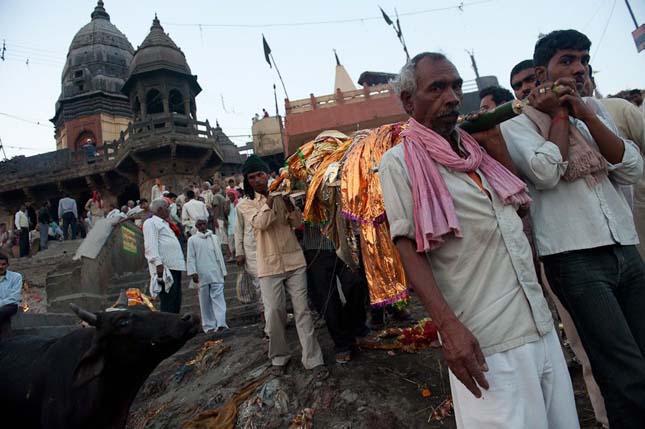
(385, 17)
(267, 51)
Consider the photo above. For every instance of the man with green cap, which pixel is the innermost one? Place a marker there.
(281, 265)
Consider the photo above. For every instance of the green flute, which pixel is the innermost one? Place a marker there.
(500, 114)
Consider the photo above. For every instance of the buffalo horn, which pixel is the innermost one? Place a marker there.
(84, 315)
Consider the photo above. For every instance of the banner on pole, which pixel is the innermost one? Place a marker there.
(639, 38)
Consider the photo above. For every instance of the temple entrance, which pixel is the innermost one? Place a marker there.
(131, 192)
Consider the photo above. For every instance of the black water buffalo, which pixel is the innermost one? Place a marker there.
(88, 378)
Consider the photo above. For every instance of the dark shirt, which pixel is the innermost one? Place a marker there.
(44, 216)
(31, 214)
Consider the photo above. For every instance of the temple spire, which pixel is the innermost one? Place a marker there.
(99, 12)
(342, 80)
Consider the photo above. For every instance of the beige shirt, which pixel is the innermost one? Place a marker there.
(192, 211)
(630, 121)
(94, 209)
(487, 276)
(278, 250)
(207, 195)
(245, 244)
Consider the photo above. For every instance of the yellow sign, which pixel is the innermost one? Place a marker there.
(129, 240)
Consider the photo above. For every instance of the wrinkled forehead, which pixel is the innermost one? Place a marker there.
(430, 70)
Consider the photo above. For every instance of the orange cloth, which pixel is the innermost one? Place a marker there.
(316, 211)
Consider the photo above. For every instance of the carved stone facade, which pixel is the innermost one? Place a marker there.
(139, 110)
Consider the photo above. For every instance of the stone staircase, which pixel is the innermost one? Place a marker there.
(237, 314)
(95, 284)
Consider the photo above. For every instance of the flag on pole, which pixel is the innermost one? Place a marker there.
(385, 17)
(267, 51)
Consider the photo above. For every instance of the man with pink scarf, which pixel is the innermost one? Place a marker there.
(452, 211)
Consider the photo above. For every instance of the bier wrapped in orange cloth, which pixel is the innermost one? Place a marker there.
(362, 202)
(317, 209)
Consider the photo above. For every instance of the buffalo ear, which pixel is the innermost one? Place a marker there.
(90, 366)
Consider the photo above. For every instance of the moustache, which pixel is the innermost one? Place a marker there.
(452, 114)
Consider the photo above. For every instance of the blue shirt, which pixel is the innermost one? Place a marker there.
(11, 289)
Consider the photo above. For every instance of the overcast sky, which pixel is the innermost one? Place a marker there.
(226, 54)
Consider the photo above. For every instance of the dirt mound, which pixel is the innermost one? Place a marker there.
(223, 383)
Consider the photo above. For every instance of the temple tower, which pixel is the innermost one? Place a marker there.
(91, 105)
(165, 140)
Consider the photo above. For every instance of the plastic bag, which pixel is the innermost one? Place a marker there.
(244, 288)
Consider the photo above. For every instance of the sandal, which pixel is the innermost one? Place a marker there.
(320, 372)
(343, 357)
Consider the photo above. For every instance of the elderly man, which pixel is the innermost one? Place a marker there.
(281, 265)
(452, 214)
(569, 152)
(10, 294)
(206, 266)
(165, 257)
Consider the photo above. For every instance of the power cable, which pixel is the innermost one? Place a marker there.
(18, 118)
(611, 13)
(459, 6)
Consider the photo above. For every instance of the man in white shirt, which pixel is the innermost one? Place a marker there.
(165, 257)
(140, 212)
(10, 294)
(115, 214)
(205, 264)
(192, 210)
(68, 215)
(21, 222)
(574, 163)
(476, 276)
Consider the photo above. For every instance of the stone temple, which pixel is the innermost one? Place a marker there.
(137, 111)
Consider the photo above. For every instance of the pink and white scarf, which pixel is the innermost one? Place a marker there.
(434, 211)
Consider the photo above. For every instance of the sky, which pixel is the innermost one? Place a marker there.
(222, 41)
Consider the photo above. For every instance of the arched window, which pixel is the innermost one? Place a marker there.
(83, 139)
(154, 102)
(176, 102)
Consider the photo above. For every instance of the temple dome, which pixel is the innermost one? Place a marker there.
(158, 51)
(98, 58)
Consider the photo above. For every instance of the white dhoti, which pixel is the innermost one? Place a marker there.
(212, 306)
(530, 388)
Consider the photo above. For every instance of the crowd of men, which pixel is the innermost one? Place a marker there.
(454, 201)
(490, 227)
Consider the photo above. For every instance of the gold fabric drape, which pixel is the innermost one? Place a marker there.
(362, 202)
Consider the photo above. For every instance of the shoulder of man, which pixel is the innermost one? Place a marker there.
(14, 275)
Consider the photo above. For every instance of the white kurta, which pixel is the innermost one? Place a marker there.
(206, 260)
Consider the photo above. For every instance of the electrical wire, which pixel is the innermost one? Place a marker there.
(18, 118)
(611, 13)
(459, 6)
